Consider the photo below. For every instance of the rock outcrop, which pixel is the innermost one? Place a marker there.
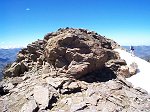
(68, 71)
(70, 52)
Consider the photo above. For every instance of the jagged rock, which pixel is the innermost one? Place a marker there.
(112, 54)
(55, 82)
(87, 54)
(20, 57)
(71, 87)
(124, 71)
(120, 62)
(13, 70)
(133, 67)
(25, 77)
(39, 61)
(114, 64)
(119, 67)
(16, 69)
(44, 111)
(30, 106)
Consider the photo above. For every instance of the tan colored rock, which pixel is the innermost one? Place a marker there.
(133, 68)
(124, 71)
(78, 70)
(20, 57)
(16, 69)
(69, 46)
(55, 82)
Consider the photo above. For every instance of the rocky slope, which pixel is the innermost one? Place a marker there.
(70, 70)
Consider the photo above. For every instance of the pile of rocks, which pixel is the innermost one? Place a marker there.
(70, 70)
(71, 52)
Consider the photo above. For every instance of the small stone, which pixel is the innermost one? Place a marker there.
(79, 106)
(55, 82)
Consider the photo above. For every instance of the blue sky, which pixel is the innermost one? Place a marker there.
(24, 21)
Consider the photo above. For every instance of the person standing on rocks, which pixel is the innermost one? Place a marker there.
(132, 50)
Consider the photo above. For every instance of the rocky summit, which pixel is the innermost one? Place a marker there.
(71, 70)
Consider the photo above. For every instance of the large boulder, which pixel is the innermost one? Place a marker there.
(81, 52)
(133, 68)
(77, 51)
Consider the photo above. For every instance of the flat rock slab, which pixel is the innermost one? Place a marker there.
(42, 96)
(30, 106)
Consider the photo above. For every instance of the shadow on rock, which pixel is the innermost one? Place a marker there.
(52, 101)
(102, 75)
(3, 91)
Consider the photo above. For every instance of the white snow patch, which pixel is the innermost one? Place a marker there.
(142, 78)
